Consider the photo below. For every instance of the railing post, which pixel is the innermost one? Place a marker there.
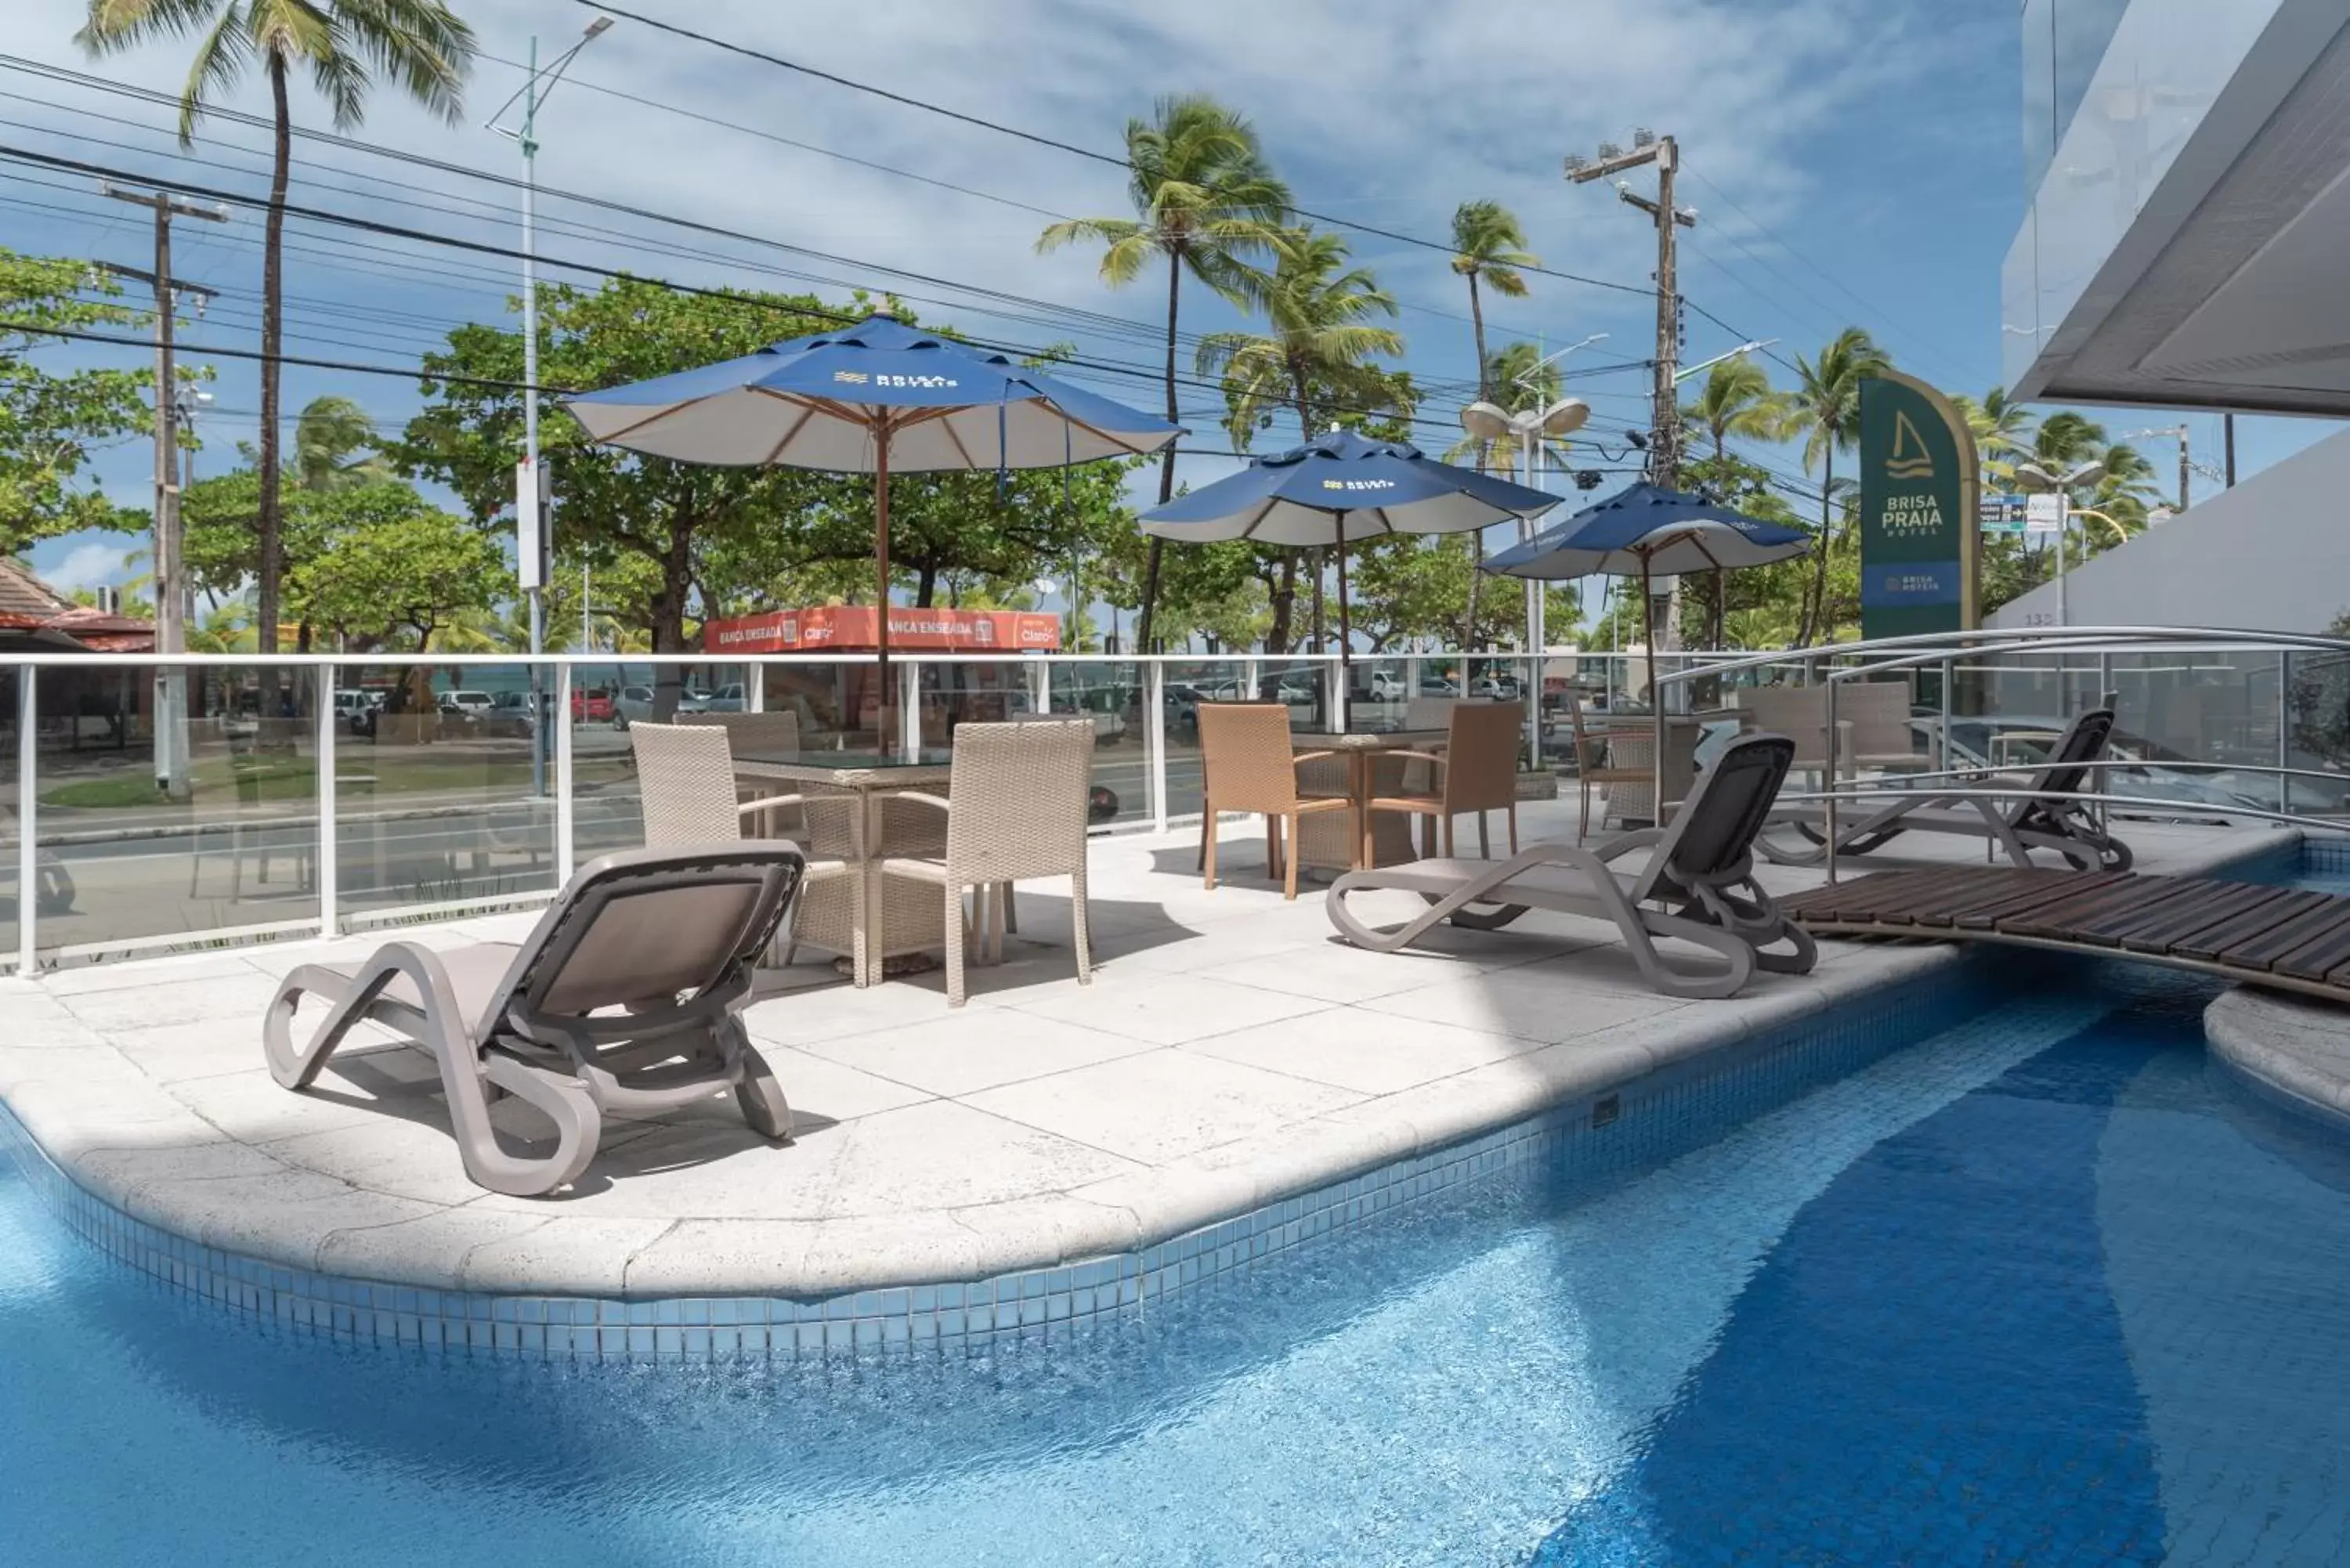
(330, 860)
(1040, 685)
(566, 808)
(1835, 775)
(28, 853)
(1334, 685)
(1950, 670)
(2284, 730)
(910, 712)
(1154, 733)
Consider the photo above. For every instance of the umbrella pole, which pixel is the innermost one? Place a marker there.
(884, 708)
(1346, 637)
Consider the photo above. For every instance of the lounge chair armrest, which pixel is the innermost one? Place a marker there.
(1437, 758)
(1310, 757)
(1624, 843)
(769, 802)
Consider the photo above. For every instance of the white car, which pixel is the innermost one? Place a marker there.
(1387, 685)
(727, 699)
(467, 704)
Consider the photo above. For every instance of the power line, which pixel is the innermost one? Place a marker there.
(1116, 160)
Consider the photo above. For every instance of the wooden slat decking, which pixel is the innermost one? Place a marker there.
(2282, 936)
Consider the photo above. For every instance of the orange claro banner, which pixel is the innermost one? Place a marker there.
(854, 627)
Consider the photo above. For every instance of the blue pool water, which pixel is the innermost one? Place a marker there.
(2042, 1287)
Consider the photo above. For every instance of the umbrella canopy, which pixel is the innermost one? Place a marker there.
(1648, 529)
(1339, 488)
(1644, 530)
(867, 397)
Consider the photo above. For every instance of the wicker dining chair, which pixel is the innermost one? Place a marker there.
(1594, 768)
(1248, 765)
(1017, 813)
(685, 776)
(1476, 771)
(773, 736)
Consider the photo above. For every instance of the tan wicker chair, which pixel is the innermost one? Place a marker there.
(771, 736)
(1247, 764)
(685, 774)
(1017, 813)
(1476, 771)
(1594, 768)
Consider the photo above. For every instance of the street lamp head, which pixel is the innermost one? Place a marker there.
(597, 27)
(1565, 417)
(1486, 421)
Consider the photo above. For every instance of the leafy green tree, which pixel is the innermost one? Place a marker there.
(1206, 199)
(51, 421)
(343, 45)
(1823, 413)
(616, 511)
(393, 568)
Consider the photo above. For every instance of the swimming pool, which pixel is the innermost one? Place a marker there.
(2044, 1286)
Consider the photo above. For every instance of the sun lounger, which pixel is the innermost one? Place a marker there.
(624, 998)
(1700, 866)
(2039, 815)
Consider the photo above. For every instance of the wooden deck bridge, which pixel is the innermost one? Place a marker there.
(2285, 938)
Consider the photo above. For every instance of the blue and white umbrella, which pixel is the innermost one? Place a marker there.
(1339, 488)
(869, 398)
(1645, 531)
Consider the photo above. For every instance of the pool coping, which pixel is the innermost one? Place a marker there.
(1058, 1262)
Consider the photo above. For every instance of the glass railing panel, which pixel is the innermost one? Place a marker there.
(835, 700)
(1111, 694)
(978, 691)
(2317, 709)
(169, 807)
(12, 837)
(443, 794)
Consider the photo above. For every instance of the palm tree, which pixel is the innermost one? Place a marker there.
(328, 434)
(1208, 202)
(344, 45)
(1825, 410)
(1322, 333)
(1489, 247)
(1737, 400)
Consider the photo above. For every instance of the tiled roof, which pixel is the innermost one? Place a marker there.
(23, 594)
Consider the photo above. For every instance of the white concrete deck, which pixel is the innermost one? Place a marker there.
(1230, 1053)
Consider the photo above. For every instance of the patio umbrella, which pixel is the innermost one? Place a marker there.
(1645, 530)
(869, 398)
(1340, 487)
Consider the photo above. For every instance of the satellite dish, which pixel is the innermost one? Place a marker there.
(1566, 416)
(1486, 421)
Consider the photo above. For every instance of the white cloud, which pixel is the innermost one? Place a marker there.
(86, 565)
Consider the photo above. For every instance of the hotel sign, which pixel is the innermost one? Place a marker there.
(1920, 547)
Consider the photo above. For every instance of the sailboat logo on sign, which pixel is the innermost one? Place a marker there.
(1909, 459)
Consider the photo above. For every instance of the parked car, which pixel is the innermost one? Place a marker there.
(356, 711)
(591, 705)
(727, 699)
(467, 705)
(1387, 685)
(1497, 686)
(510, 714)
(633, 704)
(1437, 685)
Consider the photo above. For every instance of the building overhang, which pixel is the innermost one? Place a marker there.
(2186, 247)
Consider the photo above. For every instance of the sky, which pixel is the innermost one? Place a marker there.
(1852, 162)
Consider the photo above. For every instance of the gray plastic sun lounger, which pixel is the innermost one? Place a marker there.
(624, 998)
(1700, 866)
(2038, 816)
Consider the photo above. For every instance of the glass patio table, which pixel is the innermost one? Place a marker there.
(1327, 842)
(870, 918)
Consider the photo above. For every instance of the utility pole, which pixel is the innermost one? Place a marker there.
(171, 631)
(2228, 424)
(1663, 434)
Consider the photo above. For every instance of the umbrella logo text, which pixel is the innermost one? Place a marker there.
(1358, 484)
